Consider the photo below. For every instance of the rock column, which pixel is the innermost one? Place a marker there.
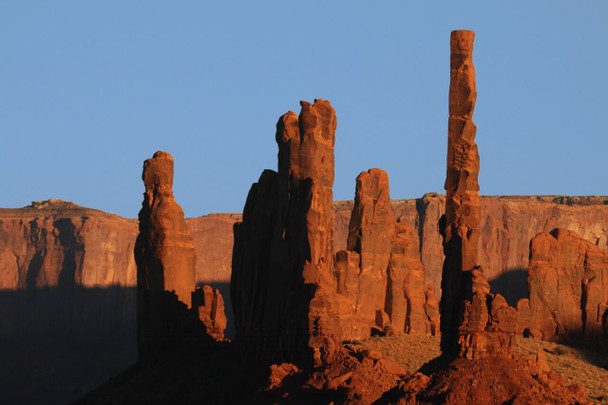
(461, 228)
(165, 258)
(474, 323)
(283, 287)
(371, 230)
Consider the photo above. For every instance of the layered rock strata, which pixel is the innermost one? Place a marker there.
(568, 284)
(474, 323)
(95, 302)
(166, 261)
(32, 253)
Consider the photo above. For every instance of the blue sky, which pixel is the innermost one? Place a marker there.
(88, 90)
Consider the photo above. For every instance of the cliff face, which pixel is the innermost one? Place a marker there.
(507, 224)
(568, 284)
(68, 296)
(51, 246)
(60, 244)
(92, 248)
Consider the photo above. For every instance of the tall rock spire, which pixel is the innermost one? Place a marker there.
(474, 323)
(282, 268)
(461, 227)
(165, 257)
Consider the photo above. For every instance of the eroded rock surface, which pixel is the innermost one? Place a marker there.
(209, 304)
(568, 284)
(371, 229)
(478, 328)
(283, 287)
(474, 323)
(410, 304)
(166, 263)
(381, 272)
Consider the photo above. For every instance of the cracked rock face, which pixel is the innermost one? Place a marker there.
(461, 226)
(474, 322)
(283, 288)
(166, 260)
(568, 284)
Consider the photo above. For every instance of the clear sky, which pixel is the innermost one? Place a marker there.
(90, 89)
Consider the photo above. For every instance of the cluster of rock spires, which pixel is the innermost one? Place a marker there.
(296, 299)
(288, 289)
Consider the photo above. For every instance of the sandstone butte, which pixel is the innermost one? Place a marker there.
(166, 260)
(96, 302)
(293, 300)
(40, 238)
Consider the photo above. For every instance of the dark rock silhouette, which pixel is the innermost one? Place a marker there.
(283, 289)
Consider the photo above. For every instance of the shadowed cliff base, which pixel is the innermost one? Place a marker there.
(59, 343)
(512, 285)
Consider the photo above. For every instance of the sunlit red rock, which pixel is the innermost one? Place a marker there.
(568, 284)
(407, 292)
(209, 304)
(166, 260)
(474, 323)
(461, 226)
(371, 230)
(284, 291)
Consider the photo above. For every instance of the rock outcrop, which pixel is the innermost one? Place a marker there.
(209, 304)
(283, 289)
(478, 328)
(507, 223)
(56, 243)
(568, 284)
(411, 305)
(288, 290)
(371, 229)
(474, 323)
(381, 272)
(166, 261)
